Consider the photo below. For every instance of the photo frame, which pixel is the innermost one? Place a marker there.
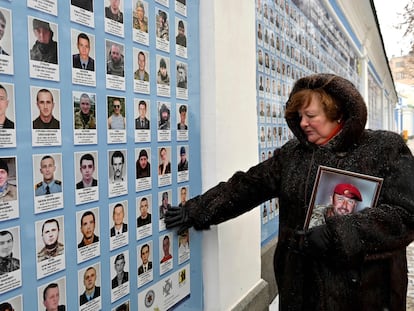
(352, 193)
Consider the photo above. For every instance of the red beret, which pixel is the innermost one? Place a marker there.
(348, 190)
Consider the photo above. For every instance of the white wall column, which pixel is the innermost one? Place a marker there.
(231, 251)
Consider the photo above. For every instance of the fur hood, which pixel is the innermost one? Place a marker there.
(352, 105)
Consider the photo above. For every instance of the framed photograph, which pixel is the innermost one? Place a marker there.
(339, 192)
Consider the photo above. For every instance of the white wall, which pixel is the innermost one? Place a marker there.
(231, 251)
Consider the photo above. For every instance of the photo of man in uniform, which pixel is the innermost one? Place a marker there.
(146, 264)
(162, 30)
(162, 75)
(260, 58)
(121, 276)
(183, 118)
(50, 236)
(91, 290)
(115, 63)
(8, 263)
(49, 184)
(51, 298)
(45, 103)
(5, 123)
(181, 38)
(261, 88)
(8, 191)
(113, 11)
(164, 122)
(139, 19)
(87, 169)
(118, 214)
(44, 49)
(88, 229)
(141, 74)
(142, 122)
(84, 117)
(145, 217)
(82, 60)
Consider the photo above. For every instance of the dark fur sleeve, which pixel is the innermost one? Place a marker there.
(242, 192)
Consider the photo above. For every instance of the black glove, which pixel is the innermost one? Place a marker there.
(317, 241)
(178, 216)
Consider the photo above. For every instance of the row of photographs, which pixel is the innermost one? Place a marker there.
(273, 136)
(271, 37)
(50, 234)
(305, 30)
(266, 10)
(310, 55)
(84, 68)
(277, 39)
(150, 259)
(46, 118)
(53, 295)
(279, 54)
(48, 190)
(44, 55)
(273, 88)
(309, 17)
(288, 55)
(82, 11)
(49, 297)
(273, 113)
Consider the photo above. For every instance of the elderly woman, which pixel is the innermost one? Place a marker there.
(355, 261)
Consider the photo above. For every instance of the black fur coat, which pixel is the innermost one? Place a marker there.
(366, 267)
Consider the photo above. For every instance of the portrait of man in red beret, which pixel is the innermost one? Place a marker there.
(344, 200)
(340, 193)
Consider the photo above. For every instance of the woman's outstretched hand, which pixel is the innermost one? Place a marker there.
(178, 217)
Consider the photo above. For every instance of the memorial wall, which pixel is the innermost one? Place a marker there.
(99, 117)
